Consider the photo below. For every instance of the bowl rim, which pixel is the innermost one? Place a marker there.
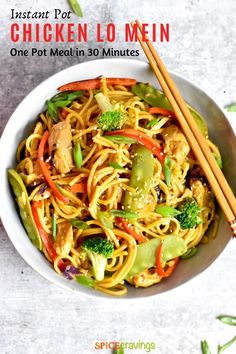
(27, 258)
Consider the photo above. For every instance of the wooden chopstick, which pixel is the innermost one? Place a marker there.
(216, 179)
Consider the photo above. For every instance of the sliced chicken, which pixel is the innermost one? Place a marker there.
(201, 192)
(176, 145)
(64, 238)
(145, 279)
(60, 142)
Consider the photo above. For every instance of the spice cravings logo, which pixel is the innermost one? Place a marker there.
(113, 345)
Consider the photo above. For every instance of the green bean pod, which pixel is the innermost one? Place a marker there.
(24, 207)
(157, 98)
(140, 179)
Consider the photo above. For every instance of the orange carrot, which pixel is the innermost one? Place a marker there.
(64, 113)
(162, 112)
(160, 271)
(95, 84)
(143, 139)
(45, 169)
(130, 231)
(79, 188)
(45, 236)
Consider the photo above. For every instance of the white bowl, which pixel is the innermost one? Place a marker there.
(20, 125)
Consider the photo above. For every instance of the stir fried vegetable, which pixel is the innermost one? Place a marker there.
(98, 250)
(140, 179)
(121, 222)
(77, 154)
(45, 170)
(46, 238)
(142, 138)
(61, 100)
(167, 170)
(189, 217)
(95, 84)
(24, 207)
(157, 99)
(111, 119)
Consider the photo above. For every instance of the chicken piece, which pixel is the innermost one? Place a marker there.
(176, 144)
(64, 238)
(60, 141)
(145, 279)
(201, 192)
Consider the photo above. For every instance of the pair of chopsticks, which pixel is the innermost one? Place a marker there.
(197, 141)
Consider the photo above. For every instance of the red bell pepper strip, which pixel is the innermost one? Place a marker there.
(45, 236)
(160, 271)
(162, 112)
(143, 139)
(79, 188)
(124, 224)
(64, 114)
(45, 170)
(95, 84)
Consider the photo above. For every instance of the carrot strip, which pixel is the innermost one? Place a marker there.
(44, 235)
(45, 170)
(79, 188)
(160, 271)
(130, 231)
(95, 84)
(162, 112)
(64, 114)
(143, 139)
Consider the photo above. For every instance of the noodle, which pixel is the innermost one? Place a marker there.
(106, 186)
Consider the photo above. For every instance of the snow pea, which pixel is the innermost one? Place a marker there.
(145, 257)
(157, 98)
(140, 179)
(173, 246)
(24, 207)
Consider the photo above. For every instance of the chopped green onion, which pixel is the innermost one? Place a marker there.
(67, 96)
(119, 139)
(167, 211)
(231, 108)
(190, 253)
(54, 226)
(61, 104)
(116, 166)
(52, 111)
(123, 214)
(152, 123)
(222, 348)
(79, 224)
(167, 170)
(61, 100)
(75, 6)
(85, 280)
(77, 154)
(229, 320)
(105, 220)
(205, 347)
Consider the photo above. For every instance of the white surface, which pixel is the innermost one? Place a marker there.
(38, 317)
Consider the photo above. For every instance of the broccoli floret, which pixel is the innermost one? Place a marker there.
(98, 250)
(112, 118)
(189, 217)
